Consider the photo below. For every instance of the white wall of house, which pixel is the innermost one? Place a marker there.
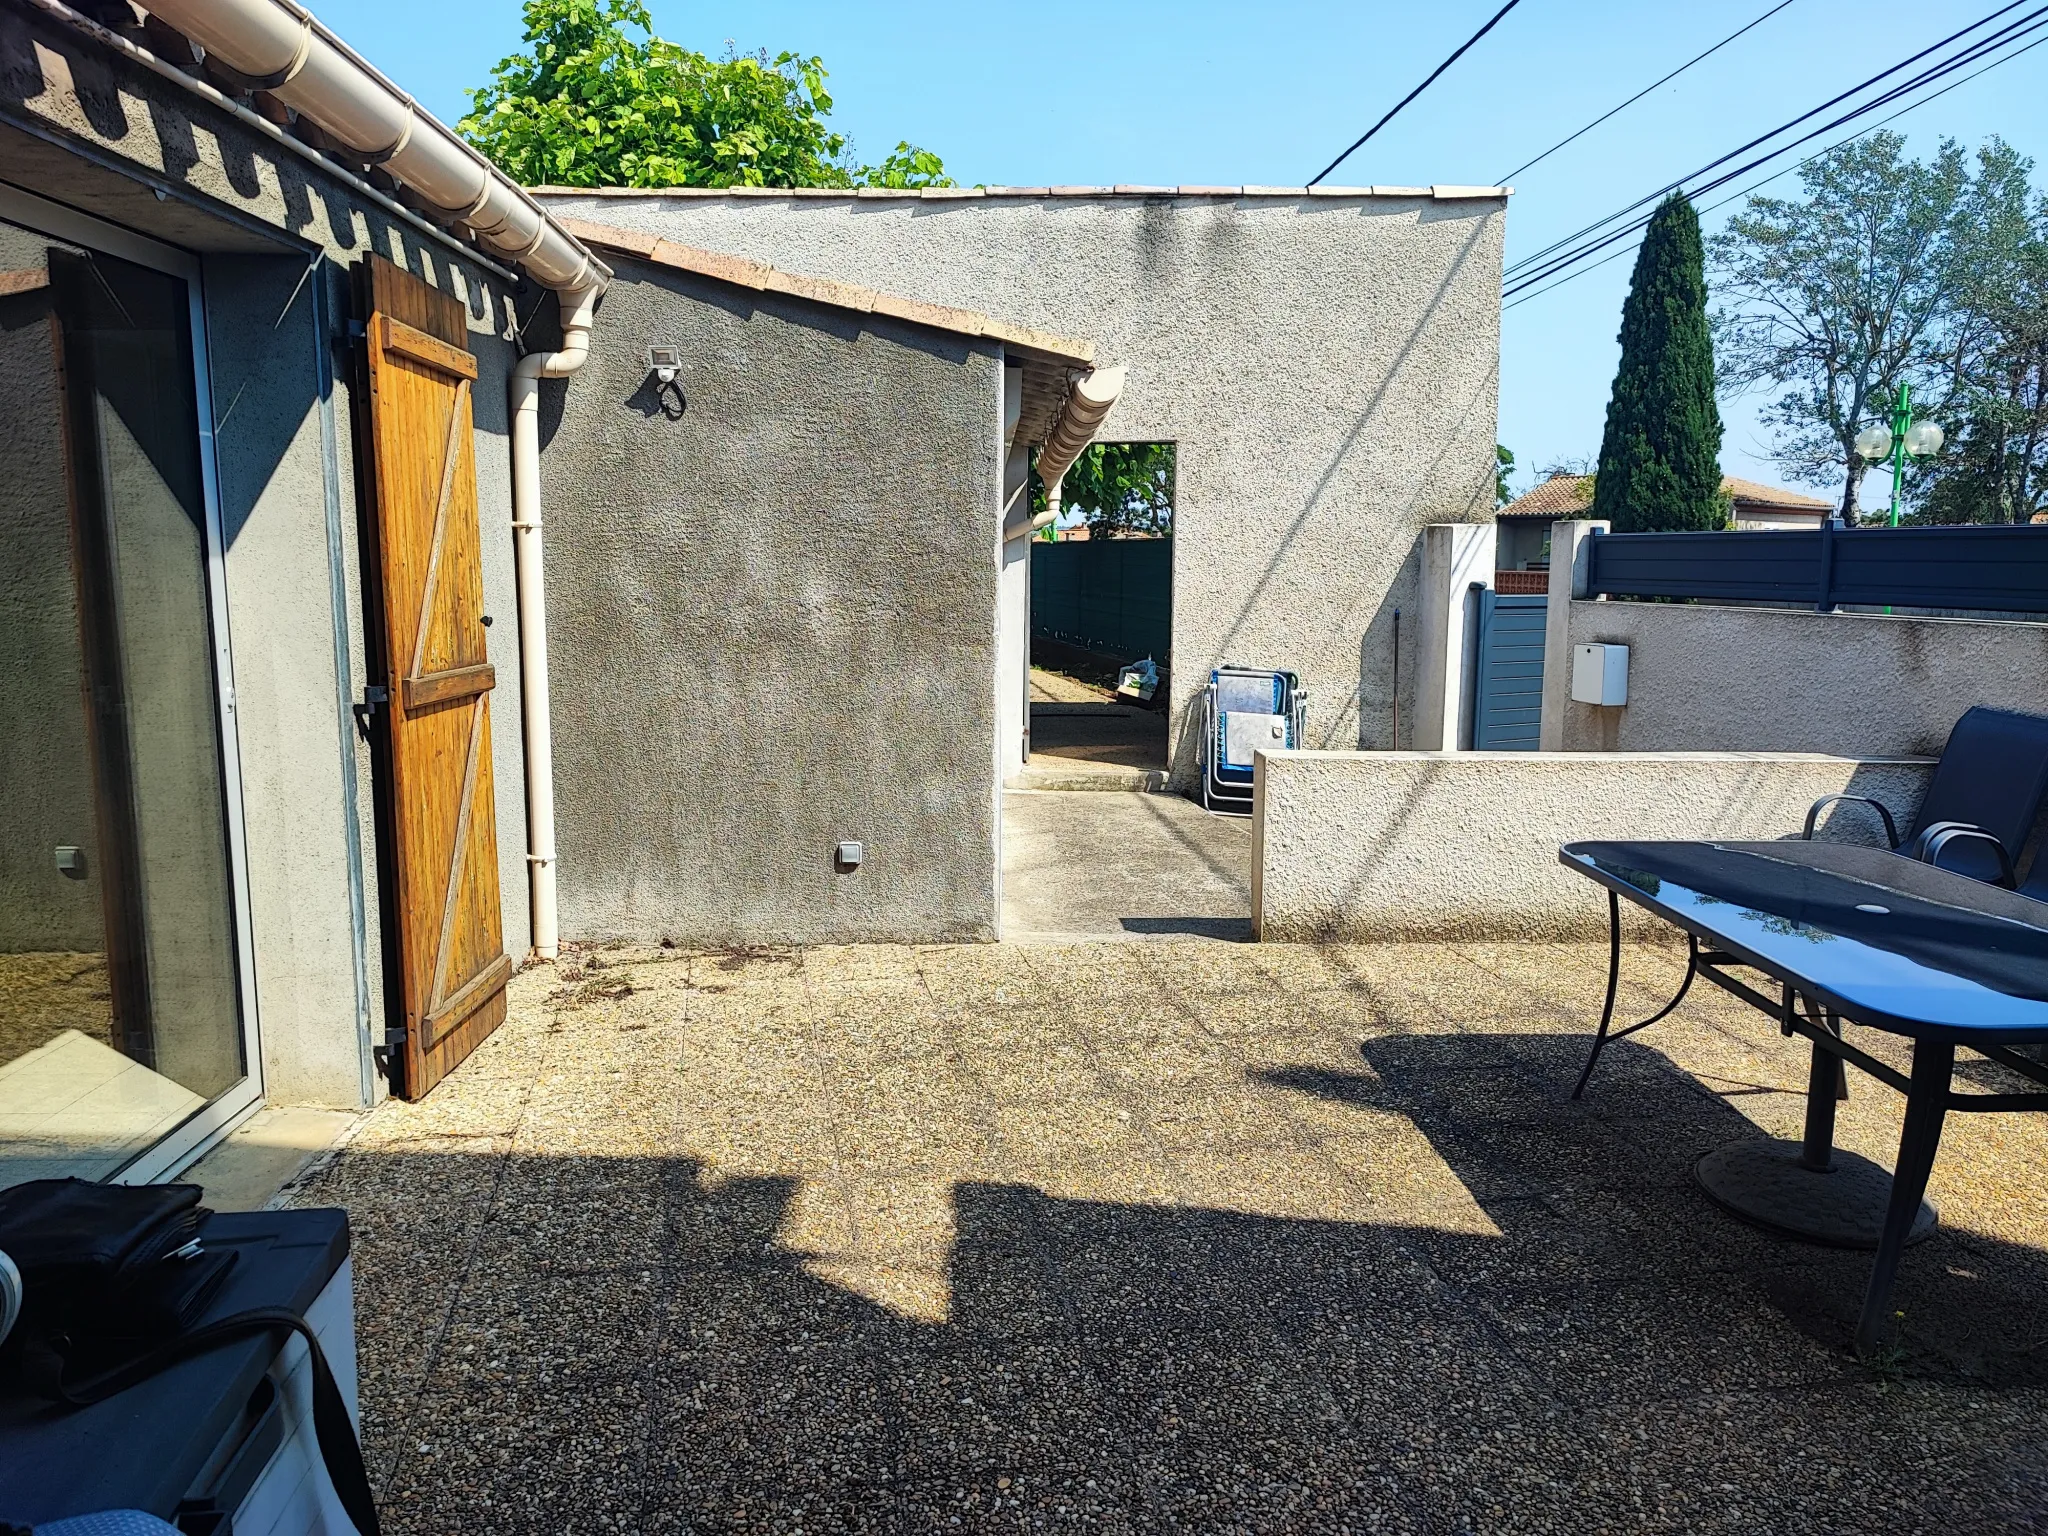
(1326, 365)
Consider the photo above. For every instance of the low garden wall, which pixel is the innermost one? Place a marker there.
(1463, 845)
(1705, 678)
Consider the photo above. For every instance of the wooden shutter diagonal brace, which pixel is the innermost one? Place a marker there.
(456, 415)
(438, 993)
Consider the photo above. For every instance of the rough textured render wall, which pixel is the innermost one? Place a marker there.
(1704, 678)
(1327, 366)
(85, 129)
(1429, 846)
(771, 617)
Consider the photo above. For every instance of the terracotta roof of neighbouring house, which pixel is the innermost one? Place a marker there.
(1557, 497)
(1562, 495)
(1775, 496)
(746, 273)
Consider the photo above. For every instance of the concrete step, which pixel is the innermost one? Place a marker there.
(1128, 780)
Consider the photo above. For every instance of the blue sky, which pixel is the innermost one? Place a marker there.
(1193, 92)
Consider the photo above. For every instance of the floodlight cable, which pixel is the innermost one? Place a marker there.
(1447, 63)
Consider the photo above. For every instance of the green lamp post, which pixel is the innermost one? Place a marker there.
(1904, 438)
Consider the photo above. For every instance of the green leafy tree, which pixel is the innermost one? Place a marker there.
(1994, 404)
(1660, 460)
(1834, 300)
(589, 104)
(1503, 467)
(1121, 489)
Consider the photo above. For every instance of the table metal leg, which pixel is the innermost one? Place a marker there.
(1607, 1032)
(1926, 1105)
(1823, 1087)
(1613, 979)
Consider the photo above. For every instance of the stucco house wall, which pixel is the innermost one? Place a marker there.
(1326, 364)
(276, 234)
(771, 615)
(1704, 678)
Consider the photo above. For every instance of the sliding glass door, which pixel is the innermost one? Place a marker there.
(126, 1023)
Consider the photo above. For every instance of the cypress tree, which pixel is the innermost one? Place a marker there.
(1660, 460)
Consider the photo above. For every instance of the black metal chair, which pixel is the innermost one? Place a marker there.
(1982, 802)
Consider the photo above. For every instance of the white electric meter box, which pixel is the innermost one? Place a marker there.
(1600, 674)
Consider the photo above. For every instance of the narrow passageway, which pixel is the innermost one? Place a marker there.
(1082, 865)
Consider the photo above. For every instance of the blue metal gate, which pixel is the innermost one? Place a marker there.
(1509, 706)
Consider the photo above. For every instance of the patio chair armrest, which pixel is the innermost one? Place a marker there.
(1891, 828)
(1939, 836)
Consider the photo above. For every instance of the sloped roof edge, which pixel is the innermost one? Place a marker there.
(758, 275)
(1440, 193)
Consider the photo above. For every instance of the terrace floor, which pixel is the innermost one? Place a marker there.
(1152, 1236)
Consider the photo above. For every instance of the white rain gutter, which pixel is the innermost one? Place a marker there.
(1080, 418)
(280, 48)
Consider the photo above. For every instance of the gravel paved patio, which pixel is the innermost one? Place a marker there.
(1159, 1236)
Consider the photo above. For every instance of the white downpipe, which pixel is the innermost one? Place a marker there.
(524, 389)
(279, 46)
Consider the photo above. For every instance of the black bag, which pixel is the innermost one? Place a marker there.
(114, 1278)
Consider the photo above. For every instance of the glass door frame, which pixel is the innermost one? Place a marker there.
(209, 1124)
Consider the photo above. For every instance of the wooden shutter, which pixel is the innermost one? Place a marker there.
(440, 832)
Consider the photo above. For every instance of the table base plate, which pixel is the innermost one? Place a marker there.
(1765, 1184)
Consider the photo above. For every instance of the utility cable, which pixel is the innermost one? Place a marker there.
(1568, 252)
(1447, 63)
(1525, 279)
(1570, 258)
(1540, 256)
(1787, 171)
(1574, 258)
(1501, 181)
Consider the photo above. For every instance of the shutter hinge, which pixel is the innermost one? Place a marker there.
(375, 697)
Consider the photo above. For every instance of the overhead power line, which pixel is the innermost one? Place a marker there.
(1783, 128)
(1447, 63)
(1581, 271)
(1573, 257)
(1501, 181)
(1573, 249)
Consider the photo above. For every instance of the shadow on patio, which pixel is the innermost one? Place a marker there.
(1200, 1238)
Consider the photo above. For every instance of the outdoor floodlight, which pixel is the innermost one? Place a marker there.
(665, 363)
(1874, 443)
(1923, 438)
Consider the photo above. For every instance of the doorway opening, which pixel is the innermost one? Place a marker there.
(1102, 621)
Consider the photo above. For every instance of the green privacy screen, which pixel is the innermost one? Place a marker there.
(1114, 596)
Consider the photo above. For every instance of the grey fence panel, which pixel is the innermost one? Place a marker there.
(1992, 568)
(2002, 568)
(1779, 566)
(1114, 596)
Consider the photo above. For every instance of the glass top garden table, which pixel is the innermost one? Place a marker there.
(1849, 935)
